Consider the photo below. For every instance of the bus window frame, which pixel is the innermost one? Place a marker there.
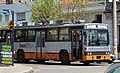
(25, 35)
(47, 34)
(1, 40)
(68, 35)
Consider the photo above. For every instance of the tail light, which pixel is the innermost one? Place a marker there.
(85, 53)
(14, 52)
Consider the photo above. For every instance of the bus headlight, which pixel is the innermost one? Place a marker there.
(14, 52)
(90, 53)
(107, 53)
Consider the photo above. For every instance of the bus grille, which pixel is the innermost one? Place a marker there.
(98, 53)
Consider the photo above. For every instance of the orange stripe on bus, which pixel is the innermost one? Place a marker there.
(70, 56)
(15, 55)
(45, 56)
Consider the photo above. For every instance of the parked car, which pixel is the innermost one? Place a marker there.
(113, 68)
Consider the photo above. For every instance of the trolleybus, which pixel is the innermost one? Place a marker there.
(84, 42)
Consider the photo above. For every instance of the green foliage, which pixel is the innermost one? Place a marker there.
(42, 9)
(76, 10)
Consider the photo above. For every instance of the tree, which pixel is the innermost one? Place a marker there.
(76, 10)
(49, 9)
(42, 10)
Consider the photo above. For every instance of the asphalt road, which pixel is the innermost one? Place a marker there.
(75, 67)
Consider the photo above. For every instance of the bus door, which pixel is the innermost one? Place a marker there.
(40, 37)
(77, 43)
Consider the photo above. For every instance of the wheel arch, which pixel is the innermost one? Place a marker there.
(20, 52)
(63, 50)
(64, 56)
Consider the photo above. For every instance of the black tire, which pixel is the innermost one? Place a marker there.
(109, 62)
(41, 61)
(26, 61)
(98, 62)
(86, 63)
(20, 56)
(64, 57)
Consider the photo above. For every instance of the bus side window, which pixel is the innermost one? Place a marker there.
(85, 38)
(63, 38)
(3, 37)
(49, 36)
(31, 36)
(52, 35)
(18, 38)
(64, 34)
(43, 40)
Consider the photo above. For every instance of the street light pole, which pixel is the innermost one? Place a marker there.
(115, 29)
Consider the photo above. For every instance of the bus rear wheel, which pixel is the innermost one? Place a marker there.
(20, 56)
(41, 61)
(64, 57)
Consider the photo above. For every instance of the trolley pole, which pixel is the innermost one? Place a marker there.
(115, 30)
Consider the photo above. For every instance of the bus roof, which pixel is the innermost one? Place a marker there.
(57, 26)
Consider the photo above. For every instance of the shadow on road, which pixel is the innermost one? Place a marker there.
(59, 63)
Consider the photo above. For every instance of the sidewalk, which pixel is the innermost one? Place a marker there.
(118, 55)
(17, 68)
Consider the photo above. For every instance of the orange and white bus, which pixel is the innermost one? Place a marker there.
(85, 42)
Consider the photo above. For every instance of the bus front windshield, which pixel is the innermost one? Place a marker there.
(96, 38)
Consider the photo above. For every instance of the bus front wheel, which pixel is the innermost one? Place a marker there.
(64, 57)
(20, 56)
(86, 63)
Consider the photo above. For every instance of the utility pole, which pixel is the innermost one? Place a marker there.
(115, 29)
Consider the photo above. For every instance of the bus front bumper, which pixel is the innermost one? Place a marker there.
(96, 58)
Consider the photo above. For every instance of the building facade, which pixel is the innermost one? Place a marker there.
(6, 2)
(109, 20)
(22, 13)
(94, 10)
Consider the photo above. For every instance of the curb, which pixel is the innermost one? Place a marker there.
(17, 68)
